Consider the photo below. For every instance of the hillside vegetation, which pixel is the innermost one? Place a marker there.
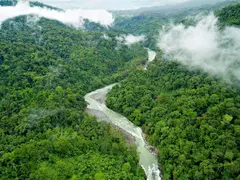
(192, 117)
(32, 4)
(45, 70)
(229, 15)
(47, 67)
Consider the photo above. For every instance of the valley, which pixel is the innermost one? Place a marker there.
(91, 94)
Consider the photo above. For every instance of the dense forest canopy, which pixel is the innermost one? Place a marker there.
(46, 68)
(191, 116)
(32, 4)
(148, 21)
(229, 15)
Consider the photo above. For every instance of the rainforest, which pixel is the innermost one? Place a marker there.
(150, 93)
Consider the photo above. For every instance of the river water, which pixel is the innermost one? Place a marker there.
(97, 107)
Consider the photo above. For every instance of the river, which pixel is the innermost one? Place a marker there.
(97, 107)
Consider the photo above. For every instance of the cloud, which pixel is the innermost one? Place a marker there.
(130, 39)
(204, 45)
(74, 17)
(105, 36)
(110, 4)
(148, 3)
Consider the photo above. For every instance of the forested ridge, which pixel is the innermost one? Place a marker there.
(229, 15)
(149, 22)
(192, 117)
(32, 4)
(46, 68)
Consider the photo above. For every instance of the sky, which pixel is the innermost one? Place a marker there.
(109, 4)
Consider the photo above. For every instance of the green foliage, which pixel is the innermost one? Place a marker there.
(45, 70)
(7, 3)
(192, 117)
(61, 153)
(47, 67)
(139, 25)
(32, 4)
(229, 15)
(148, 22)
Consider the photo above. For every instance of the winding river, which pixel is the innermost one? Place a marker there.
(97, 107)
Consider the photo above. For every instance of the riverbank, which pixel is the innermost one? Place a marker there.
(130, 140)
(134, 135)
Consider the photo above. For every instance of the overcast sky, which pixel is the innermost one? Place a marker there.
(109, 4)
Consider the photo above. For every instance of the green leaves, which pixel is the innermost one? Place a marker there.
(229, 15)
(44, 74)
(189, 115)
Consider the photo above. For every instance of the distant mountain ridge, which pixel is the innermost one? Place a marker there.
(179, 8)
(32, 4)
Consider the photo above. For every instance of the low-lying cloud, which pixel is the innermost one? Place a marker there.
(204, 45)
(74, 17)
(130, 39)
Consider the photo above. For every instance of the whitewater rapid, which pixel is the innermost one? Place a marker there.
(97, 107)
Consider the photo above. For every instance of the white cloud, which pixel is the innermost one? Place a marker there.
(72, 17)
(105, 36)
(109, 4)
(148, 3)
(203, 45)
(130, 39)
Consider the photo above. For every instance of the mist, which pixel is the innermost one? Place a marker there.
(130, 39)
(73, 17)
(203, 46)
